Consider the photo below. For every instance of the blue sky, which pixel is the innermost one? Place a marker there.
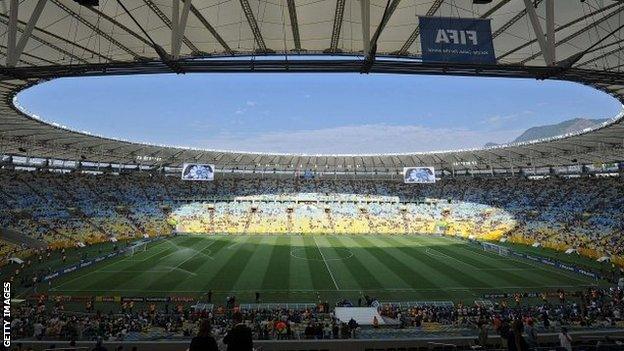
(313, 113)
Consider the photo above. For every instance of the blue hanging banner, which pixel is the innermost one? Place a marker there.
(462, 40)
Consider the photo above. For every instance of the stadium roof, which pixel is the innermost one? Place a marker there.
(579, 41)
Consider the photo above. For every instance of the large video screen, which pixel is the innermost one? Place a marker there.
(418, 175)
(194, 171)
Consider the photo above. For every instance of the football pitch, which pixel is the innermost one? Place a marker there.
(306, 268)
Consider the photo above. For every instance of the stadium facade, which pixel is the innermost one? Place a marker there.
(577, 41)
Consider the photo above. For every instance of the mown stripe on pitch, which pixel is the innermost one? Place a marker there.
(408, 274)
(440, 278)
(342, 275)
(423, 263)
(177, 275)
(252, 276)
(524, 278)
(300, 276)
(228, 274)
(207, 268)
(553, 277)
(221, 257)
(318, 272)
(503, 278)
(104, 281)
(358, 270)
(200, 258)
(277, 270)
(461, 275)
(176, 254)
(384, 274)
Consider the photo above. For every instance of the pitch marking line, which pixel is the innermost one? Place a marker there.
(549, 269)
(238, 241)
(443, 255)
(165, 241)
(493, 258)
(114, 262)
(299, 249)
(326, 264)
(195, 254)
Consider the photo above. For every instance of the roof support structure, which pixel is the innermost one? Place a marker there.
(550, 31)
(539, 33)
(294, 23)
(211, 29)
(94, 28)
(175, 20)
(606, 54)
(12, 32)
(562, 27)
(336, 28)
(412, 38)
(14, 55)
(494, 8)
(369, 60)
(389, 10)
(168, 23)
(581, 31)
(5, 20)
(512, 21)
(178, 24)
(253, 24)
(365, 9)
(118, 24)
(22, 60)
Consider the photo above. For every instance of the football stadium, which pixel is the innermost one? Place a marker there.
(114, 243)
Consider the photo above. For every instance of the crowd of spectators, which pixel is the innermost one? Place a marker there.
(64, 209)
(593, 307)
(49, 320)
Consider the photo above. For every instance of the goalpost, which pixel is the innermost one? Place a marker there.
(501, 250)
(136, 248)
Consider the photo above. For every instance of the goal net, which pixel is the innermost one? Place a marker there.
(136, 248)
(501, 250)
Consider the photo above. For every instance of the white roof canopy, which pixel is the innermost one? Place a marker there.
(46, 39)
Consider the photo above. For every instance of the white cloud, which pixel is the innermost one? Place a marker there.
(251, 103)
(369, 138)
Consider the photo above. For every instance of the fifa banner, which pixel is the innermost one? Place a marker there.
(416, 175)
(194, 171)
(462, 40)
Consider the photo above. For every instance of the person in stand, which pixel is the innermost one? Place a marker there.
(204, 341)
(515, 340)
(99, 346)
(483, 334)
(565, 340)
(239, 337)
(531, 334)
(353, 325)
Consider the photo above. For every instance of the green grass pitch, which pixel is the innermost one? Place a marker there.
(295, 268)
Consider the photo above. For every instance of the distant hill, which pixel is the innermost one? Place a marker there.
(551, 130)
